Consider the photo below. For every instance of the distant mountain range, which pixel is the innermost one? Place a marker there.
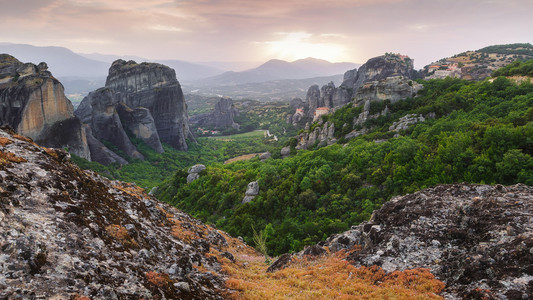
(276, 69)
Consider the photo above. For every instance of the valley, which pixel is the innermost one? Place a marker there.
(403, 182)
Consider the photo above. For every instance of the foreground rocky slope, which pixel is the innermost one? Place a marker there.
(478, 239)
(34, 103)
(66, 233)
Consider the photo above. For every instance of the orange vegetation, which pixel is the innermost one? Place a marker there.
(158, 279)
(8, 157)
(121, 234)
(5, 141)
(328, 277)
(130, 189)
(23, 138)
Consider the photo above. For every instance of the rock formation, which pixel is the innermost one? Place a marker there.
(475, 238)
(144, 99)
(321, 136)
(251, 192)
(70, 234)
(194, 172)
(33, 102)
(221, 118)
(375, 69)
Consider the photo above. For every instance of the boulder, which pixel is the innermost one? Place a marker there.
(194, 172)
(285, 152)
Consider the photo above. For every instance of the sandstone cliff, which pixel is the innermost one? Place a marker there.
(221, 117)
(34, 103)
(143, 99)
(70, 234)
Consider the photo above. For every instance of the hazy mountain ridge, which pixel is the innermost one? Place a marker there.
(276, 69)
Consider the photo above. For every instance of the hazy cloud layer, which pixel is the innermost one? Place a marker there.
(225, 30)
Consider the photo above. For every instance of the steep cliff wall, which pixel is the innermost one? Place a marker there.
(145, 99)
(154, 87)
(34, 103)
(221, 117)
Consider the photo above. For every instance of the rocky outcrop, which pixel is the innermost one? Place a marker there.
(70, 234)
(154, 87)
(33, 102)
(251, 192)
(374, 70)
(392, 89)
(475, 238)
(321, 136)
(99, 111)
(221, 118)
(143, 99)
(404, 122)
(194, 172)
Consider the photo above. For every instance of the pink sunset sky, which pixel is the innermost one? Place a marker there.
(250, 30)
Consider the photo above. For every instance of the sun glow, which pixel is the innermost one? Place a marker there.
(299, 45)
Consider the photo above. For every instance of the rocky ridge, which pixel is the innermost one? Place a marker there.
(144, 99)
(34, 104)
(67, 234)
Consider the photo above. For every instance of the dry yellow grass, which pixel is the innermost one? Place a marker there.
(328, 277)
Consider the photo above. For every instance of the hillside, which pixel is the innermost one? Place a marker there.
(478, 64)
(478, 132)
(70, 234)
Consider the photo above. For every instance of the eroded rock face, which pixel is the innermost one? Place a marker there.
(66, 233)
(99, 111)
(374, 70)
(34, 103)
(154, 87)
(391, 88)
(145, 99)
(472, 237)
(221, 118)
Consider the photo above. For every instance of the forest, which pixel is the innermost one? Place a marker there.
(481, 132)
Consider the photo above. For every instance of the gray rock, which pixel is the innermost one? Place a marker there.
(253, 189)
(194, 172)
(221, 118)
(285, 152)
(264, 156)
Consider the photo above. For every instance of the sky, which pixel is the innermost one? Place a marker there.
(259, 30)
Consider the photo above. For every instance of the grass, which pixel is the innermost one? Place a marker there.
(328, 277)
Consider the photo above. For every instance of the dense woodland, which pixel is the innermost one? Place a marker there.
(482, 133)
